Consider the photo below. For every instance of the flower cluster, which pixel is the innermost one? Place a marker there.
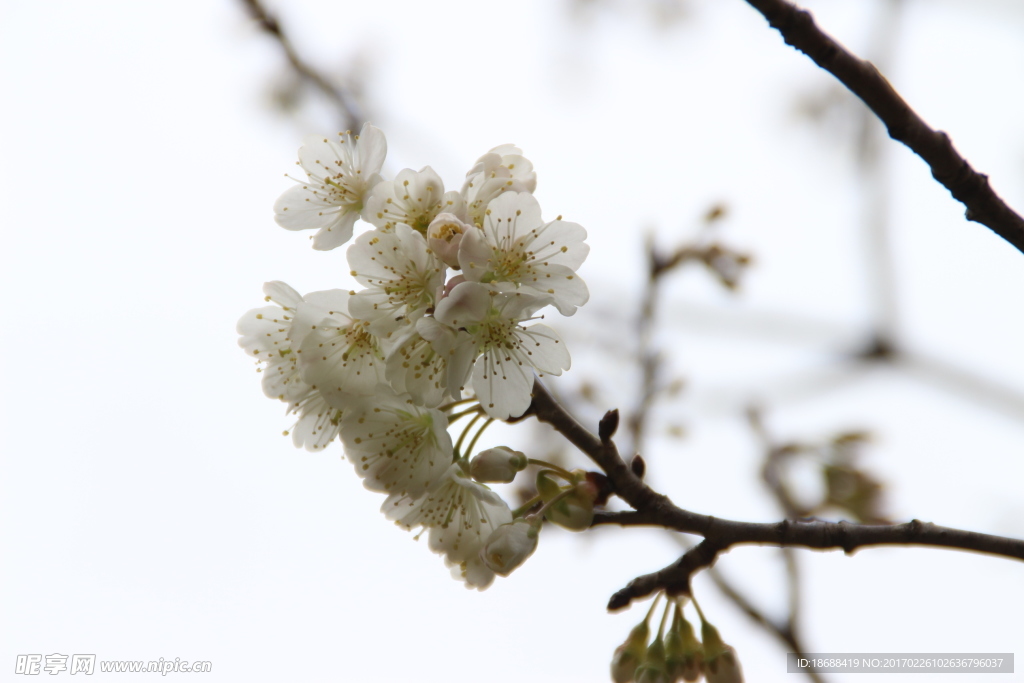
(675, 655)
(438, 332)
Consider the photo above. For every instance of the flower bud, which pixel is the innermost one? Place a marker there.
(653, 668)
(576, 511)
(720, 663)
(683, 651)
(444, 235)
(547, 487)
(509, 545)
(498, 465)
(630, 654)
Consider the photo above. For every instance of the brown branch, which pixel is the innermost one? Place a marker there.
(720, 535)
(968, 186)
(655, 509)
(338, 95)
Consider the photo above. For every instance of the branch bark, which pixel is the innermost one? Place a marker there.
(969, 187)
(654, 509)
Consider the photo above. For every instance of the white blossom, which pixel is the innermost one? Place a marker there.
(319, 422)
(264, 331)
(507, 161)
(267, 334)
(339, 174)
(444, 235)
(401, 275)
(472, 572)
(413, 198)
(503, 169)
(418, 362)
(516, 245)
(396, 446)
(339, 355)
(272, 333)
(459, 515)
(499, 353)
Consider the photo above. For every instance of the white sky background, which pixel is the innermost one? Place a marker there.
(149, 506)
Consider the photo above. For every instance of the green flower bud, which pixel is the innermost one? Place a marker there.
(576, 510)
(630, 654)
(510, 545)
(653, 669)
(547, 487)
(683, 652)
(720, 663)
(498, 465)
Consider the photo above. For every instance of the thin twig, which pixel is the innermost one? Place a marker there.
(968, 186)
(791, 632)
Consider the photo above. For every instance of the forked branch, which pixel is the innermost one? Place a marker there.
(654, 509)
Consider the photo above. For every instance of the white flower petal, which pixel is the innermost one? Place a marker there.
(339, 177)
(396, 446)
(459, 514)
(318, 424)
(413, 198)
(342, 359)
(515, 245)
(401, 274)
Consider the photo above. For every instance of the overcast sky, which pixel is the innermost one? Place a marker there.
(149, 506)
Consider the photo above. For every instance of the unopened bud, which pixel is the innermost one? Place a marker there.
(653, 668)
(720, 662)
(630, 654)
(683, 652)
(509, 545)
(637, 466)
(547, 487)
(607, 426)
(444, 235)
(498, 465)
(576, 510)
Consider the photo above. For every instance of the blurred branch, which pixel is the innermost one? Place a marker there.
(338, 95)
(786, 633)
(876, 184)
(725, 263)
(968, 186)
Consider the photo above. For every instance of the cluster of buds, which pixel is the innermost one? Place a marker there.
(676, 654)
(437, 333)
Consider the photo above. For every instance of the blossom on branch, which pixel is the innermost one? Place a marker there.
(499, 353)
(339, 174)
(401, 275)
(459, 516)
(447, 284)
(517, 246)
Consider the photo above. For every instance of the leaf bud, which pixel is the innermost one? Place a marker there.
(637, 466)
